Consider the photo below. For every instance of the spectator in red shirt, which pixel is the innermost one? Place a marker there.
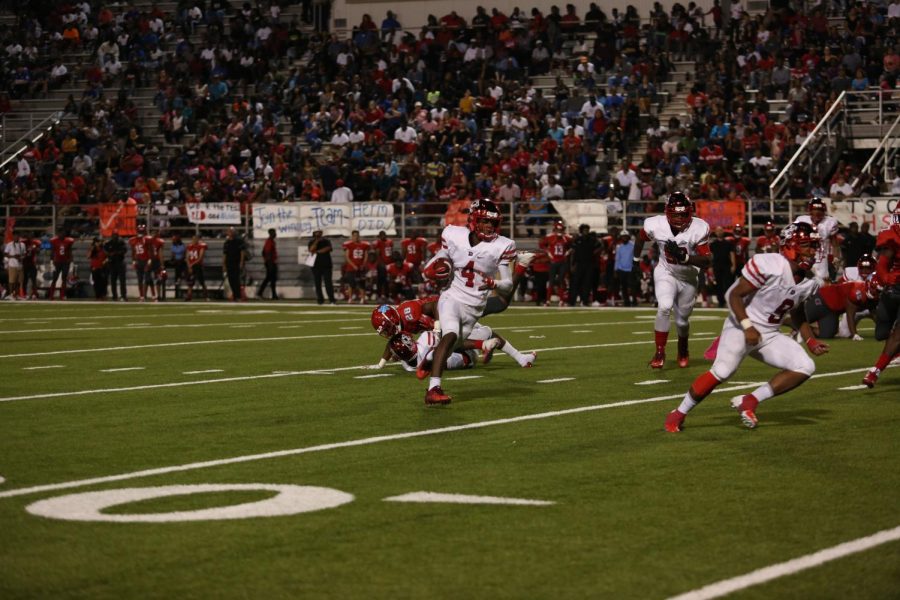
(97, 256)
(140, 260)
(556, 245)
(61, 256)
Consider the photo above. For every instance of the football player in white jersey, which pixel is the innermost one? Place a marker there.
(829, 238)
(476, 253)
(683, 241)
(770, 286)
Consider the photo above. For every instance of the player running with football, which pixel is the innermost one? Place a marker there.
(475, 253)
(887, 314)
(770, 286)
(829, 238)
(683, 241)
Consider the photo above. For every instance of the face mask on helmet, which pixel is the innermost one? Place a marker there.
(817, 210)
(895, 220)
(865, 265)
(679, 212)
(403, 346)
(386, 320)
(799, 243)
(484, 220)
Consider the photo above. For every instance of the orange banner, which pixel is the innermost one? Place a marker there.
(119, 217)
(722, 213)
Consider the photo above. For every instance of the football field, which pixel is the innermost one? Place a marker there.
(209, 450)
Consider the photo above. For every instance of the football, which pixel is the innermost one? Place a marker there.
(441, 270)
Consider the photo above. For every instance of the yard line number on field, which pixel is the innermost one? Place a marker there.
(360, 441)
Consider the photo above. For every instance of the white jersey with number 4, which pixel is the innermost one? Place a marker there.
(695, 239)
(777, 293)
(473, 264)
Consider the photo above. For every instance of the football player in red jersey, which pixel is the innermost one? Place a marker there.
(413, 248)
(196, 252)
(831, 301)
(355, 251)
(29, 265)
(557, 244)
(411, 317)
(61, 255)
(140, 259)
(400, 276)
(887, 314)
(385, 248)
(741, 246)
(768, 241)
(770, 286)
(155, 267)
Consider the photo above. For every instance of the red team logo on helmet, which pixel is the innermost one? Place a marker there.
(866, 265)
(403, 347)
(679, 211)
(386, 320)
(817, 209)
(799, 242)
(481, 214)
(559, 226)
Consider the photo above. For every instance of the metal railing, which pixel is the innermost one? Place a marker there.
(884, 155)
(12, 150)
(828, 137)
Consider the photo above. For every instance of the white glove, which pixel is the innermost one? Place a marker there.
(857, 337)
(380, 365)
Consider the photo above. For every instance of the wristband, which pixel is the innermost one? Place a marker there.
(812, 343)
(381, 363)
(746, 324)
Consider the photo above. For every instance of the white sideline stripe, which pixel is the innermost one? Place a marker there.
(348, 444)
(374, 376)
(202, 372)
(194, 343)
(652, 381)
(137, 325)
(174, 326)
(582, 331)
(242, 326)
(43, 367)
(347, 328)
(122, 369)
(429, 497)
(90, 323)
(465, 377)
(727, 586)
(851, 388)
(558, 379)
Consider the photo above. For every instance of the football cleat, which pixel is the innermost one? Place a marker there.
(487, 349)
(658, 360)
(683, 361)
(436, 396)
(746, 406)
(675, 421)
(424, 369)
(529, 360)
(871, 377)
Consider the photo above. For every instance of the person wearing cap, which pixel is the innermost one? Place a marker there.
(341, 192)
(625, 280)
(321, 247)
(540, 59)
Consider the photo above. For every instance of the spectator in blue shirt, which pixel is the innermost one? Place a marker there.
(625, 281)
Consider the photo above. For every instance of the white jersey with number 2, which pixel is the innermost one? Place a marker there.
(776, 293)
(695, 239)
(472, 264)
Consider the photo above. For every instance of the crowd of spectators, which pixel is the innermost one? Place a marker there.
(256, 107)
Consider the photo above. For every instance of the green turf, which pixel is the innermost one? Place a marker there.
(638, 513)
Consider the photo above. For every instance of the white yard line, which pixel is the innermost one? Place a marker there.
(43, 367)
(176, 344)
(652, 381)
(203, 372)
(347, 444)
(809, 561)
(557, 380)
(582, 331)
(436, 497)
(348, 328)
(851, 388)
(465, 377)
(122, 369)
(374, 376)
(294, 323)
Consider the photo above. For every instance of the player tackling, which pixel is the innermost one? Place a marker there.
(475, 253)
(771, 286)
(683, 241)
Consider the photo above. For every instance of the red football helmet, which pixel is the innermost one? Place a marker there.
(895, 219)
(817, 210)
(403, 346)
(866, 265)
(738, 229)
(769, 228)
(386, 320)
(141, 229)
(799, 242)
(484, 220)
(559, 226)
(679, 211)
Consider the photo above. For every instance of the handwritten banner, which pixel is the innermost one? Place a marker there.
(588, 212)
(120, 217)
(300, 219)
(722, 213)
(874, 211)
(215, 213)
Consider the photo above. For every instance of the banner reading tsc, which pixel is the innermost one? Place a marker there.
(874, 211)
(722, 213)
(215, 213)
(300, 219)
(120, 217)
